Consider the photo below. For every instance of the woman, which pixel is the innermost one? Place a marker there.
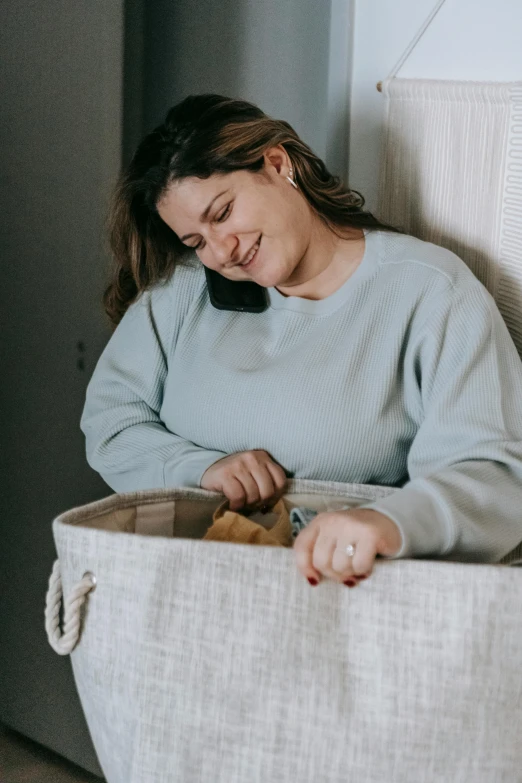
(380, 359)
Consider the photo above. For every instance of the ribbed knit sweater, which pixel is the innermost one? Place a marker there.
(406, 376)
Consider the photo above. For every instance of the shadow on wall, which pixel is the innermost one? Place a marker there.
(271, 53)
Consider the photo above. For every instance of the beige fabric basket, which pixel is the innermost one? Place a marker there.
(203, 661)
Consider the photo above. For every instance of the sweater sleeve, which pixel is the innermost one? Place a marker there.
(464, 495)
(126, 441)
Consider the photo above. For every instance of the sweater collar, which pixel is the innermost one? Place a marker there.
(368, 265)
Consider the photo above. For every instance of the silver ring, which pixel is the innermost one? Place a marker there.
(350, 550)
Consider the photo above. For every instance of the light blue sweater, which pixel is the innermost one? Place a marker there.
(405, 376)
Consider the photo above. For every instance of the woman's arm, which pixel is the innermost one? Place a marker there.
(126, 441)
(464, 498)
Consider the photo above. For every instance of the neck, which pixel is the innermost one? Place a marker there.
(326, 264)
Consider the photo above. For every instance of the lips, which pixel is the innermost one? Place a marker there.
(250, 255)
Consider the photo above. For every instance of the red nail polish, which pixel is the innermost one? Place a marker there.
(312, 581)
(350, 583)
(363, 576)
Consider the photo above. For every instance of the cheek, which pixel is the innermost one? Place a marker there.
(277, 225)
(207, 259)
(246, 218)
(289, 224)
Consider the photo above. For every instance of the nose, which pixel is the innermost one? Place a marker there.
(224, 248)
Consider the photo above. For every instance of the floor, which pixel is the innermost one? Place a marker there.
(24, 761)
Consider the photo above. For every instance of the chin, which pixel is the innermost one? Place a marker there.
(270, 278)
(267, 281)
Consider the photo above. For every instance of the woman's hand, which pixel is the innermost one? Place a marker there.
(320, 548)
(247, 479)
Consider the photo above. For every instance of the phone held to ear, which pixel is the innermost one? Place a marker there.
(240, 295)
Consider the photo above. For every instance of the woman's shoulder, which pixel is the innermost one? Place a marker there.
(181, 285)
(425, 261)
(167, 301)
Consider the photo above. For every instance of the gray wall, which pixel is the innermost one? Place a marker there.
(272, 53)
(60, 140)
(74, 103)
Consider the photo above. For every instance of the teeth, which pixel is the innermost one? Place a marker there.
(250, 255)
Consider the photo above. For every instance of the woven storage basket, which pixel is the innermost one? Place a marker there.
(216, 662)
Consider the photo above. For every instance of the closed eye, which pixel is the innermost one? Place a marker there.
(219, 219)
(223, 216)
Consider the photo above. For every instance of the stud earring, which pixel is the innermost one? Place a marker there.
(291, 181)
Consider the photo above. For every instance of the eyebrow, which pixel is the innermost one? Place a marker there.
(204, 215)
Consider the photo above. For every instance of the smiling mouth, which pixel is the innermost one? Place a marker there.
(250, 256)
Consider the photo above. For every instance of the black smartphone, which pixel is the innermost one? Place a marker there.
(239, 295)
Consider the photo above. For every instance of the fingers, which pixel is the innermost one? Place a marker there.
(255, 480)
(279, 481)
(322, 556)
(321, 548)
(304, 546)
(248, 478)
(342, 564)
(241, 490)
(331, 559)
(365, 554)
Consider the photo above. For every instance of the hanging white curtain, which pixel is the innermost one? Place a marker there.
(452, 174)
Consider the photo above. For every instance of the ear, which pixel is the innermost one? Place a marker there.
(277, 160)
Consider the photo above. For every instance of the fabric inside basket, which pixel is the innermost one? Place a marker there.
(192, 518)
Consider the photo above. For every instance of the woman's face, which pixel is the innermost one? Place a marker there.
(229, 218)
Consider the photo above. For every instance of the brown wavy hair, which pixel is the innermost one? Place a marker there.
(200, 136)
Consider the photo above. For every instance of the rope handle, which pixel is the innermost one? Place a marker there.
(64, 641)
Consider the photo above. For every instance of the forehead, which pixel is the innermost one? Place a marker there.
(189, 197)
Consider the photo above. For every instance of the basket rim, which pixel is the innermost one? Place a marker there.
(96, 508)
